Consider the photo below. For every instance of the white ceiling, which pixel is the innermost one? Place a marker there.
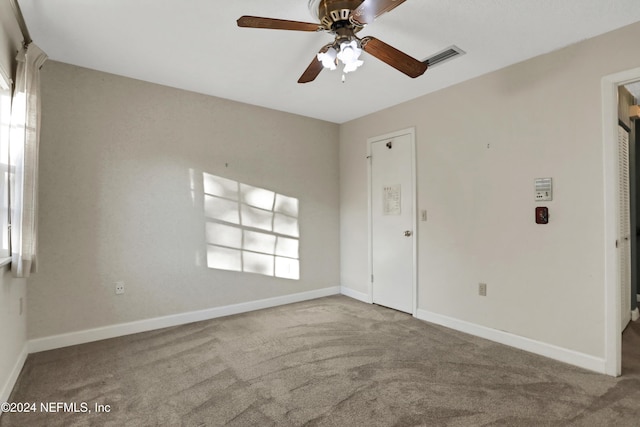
(196, 45)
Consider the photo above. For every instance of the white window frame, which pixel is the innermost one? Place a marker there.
(5, 211)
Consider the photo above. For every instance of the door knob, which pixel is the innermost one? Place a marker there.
(408, 233)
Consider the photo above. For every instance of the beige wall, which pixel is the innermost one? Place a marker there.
(13, 325)
(13, 329)
(116, 164)
(480, 144)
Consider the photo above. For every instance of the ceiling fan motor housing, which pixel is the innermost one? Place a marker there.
(334, 14)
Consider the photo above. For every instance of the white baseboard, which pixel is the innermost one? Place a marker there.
(635, 314)
(360, 296)
(543, 349)
(7, 388)
(117, 330)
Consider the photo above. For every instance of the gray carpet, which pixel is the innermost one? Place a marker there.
(327, 362)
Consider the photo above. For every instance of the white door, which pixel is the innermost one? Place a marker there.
(624, 230)
(393, 221)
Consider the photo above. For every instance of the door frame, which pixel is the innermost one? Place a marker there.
(612, 296)
(414, 220)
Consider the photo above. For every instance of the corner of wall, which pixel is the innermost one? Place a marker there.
(12, 377)
(352, 293)
(13, 335)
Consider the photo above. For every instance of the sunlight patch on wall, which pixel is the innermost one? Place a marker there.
(250, 229)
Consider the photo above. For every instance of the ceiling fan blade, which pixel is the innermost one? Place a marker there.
(277, 24)
(314, 69)
(392, 56)
(369, 10)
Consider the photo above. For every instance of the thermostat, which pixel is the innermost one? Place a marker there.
(543, 189)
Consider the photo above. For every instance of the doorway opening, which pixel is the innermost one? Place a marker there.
(617, 252)
(628, 127)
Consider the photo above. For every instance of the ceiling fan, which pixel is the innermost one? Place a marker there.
(343, 19)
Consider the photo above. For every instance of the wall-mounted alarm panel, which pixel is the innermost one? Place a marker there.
(543, 189)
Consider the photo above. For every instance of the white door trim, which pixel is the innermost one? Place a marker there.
(612, 332)
(414, 221)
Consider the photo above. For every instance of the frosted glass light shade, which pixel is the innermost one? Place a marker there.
(349, 54)
(328, 58)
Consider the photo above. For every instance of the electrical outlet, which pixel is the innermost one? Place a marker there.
(482, 289)
(119, 288)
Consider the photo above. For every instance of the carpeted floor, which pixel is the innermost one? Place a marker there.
(328, 362)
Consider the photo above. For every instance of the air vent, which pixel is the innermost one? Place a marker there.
(444, 56)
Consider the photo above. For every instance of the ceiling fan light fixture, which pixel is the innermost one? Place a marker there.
(349, 54)
(352, 66)
(328, 58)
